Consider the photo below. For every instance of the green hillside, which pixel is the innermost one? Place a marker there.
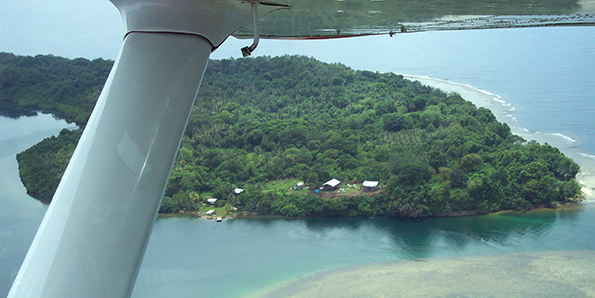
(263, 124)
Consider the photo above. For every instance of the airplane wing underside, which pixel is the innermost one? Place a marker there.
(311, 19)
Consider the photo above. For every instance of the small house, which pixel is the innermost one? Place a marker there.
(238, 191)
(211, 201)
(210, 212)
(369, 185)
(331, 184)
(299, 186)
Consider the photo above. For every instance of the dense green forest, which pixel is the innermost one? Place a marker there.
(262, 124)
(66, 88)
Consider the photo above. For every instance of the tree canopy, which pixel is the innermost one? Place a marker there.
(64, 87)
(261, 121)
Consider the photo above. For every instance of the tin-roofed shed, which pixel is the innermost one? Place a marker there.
(331, 184)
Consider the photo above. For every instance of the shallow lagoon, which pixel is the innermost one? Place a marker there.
(252, 257)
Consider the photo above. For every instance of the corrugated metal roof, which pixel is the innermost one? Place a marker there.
(370, 183)
(332, 183)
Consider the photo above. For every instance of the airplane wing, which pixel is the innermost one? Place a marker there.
(310, 19)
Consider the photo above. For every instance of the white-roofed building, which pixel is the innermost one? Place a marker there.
(370, 184)
(238, 191)
(299, 186)
(331, 184)
(212, 201)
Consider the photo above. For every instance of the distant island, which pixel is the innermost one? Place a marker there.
(274, 135)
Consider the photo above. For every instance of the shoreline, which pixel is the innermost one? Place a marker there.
(502, 111)
(253, 215)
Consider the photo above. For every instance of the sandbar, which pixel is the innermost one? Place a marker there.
(523, 274)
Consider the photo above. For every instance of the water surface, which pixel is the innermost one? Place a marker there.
(546, 74)
(20, 215)
(241, 257)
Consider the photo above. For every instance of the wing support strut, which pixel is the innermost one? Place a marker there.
(95, 232)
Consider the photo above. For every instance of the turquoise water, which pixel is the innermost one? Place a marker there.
(546, 74)
(202, 258)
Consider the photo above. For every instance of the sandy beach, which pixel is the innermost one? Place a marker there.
(501, 109)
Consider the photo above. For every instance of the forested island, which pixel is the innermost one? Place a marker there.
(264, 124)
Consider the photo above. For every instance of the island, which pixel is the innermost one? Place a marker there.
(302, 138)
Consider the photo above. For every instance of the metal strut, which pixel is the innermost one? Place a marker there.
(246, 51)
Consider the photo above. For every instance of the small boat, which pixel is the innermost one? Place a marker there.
(219, 219)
